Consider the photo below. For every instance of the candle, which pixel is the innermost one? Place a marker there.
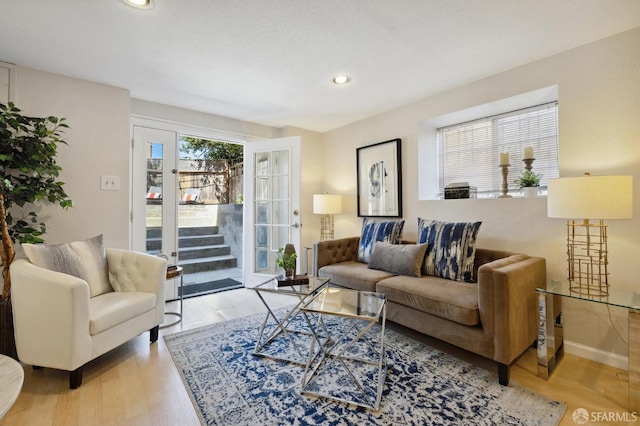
(528, 153)
(504, 158)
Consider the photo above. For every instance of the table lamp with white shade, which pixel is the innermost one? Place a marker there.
(584, 198)
(327, 205)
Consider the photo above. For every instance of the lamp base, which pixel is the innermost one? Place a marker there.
(326, 227)
(587, 258)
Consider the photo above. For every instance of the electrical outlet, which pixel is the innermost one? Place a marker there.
(110, 183)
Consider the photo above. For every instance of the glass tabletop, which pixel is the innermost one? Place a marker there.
(625, 298)
(347, 303)
(274, 285)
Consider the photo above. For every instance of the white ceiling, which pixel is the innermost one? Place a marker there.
(272, 61)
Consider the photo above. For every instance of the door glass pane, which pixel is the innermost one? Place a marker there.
(262, 188)
(262, 248)
(280, 237)
(154, 197)
(281, 212)
(280, 187)
(262, 163)
(280, 162)
(262, 212)
(272, 215)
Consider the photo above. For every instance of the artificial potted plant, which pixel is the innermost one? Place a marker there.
(529, 183)
(287, 261)
(28, 175)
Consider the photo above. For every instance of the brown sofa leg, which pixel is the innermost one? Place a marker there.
(153, 333)
(75, 378)
(503, 374)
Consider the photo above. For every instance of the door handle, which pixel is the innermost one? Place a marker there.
(296, 225)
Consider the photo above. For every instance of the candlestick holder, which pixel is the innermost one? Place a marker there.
(528, 163)
(505, 184)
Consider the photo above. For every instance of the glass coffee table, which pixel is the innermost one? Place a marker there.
(348, 365)
(286, 337)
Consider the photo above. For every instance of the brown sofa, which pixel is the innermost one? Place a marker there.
(497, 317)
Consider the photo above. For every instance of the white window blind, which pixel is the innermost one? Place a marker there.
(470, 151)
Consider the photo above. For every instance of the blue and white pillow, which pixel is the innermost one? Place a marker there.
(451, 248)
(374, 230)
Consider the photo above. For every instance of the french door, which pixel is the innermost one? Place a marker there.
(272, 204)
(154, 196)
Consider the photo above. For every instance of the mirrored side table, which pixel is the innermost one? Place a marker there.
(550, 339)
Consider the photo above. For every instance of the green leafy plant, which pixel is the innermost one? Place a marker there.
(286, 261)
(28, 175)
(528, 179)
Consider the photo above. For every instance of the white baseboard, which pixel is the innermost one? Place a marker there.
(598, 355)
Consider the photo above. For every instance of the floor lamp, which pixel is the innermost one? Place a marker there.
(327, 205)
(585, 198)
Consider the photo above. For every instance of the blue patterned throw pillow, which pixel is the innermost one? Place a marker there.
(374, 230)
(451, 248)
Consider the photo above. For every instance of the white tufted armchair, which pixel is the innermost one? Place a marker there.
(58, 325)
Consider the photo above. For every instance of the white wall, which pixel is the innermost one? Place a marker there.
(599, 110)
(98, 144)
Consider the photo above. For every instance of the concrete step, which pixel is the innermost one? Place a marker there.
(188, 231)
(203, 251)
(156, 231)
(154, 244)
(200, 240)
(208, 264)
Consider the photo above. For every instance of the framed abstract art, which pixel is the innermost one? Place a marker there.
(379, 179)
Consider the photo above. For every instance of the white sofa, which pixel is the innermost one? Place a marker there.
(58, 325)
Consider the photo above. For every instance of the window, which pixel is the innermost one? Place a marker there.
(470, 151)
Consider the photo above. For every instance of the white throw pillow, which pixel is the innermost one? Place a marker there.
(86, 260)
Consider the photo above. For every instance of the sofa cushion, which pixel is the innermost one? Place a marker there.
(453, 300)
(86, 260)
(374, 230)
(110, 309)
(399, 259)
(353, 275)
(452, 248)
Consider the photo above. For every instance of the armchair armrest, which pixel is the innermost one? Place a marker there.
(334, 251)
(50, 310)
(134, 271)
(508, 304)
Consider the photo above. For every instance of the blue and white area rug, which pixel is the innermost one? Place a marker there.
(230, 386)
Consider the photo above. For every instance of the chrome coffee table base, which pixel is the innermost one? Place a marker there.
(363, 310)
(295, 336)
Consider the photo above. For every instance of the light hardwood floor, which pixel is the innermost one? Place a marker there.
(138, 384)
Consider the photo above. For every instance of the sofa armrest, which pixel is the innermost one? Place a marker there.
(508, 304)
(334, 251)
(50, 310)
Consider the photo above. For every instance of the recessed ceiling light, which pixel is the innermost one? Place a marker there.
(140, 4)
(341, 79)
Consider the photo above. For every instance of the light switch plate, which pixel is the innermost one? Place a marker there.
(110, 183)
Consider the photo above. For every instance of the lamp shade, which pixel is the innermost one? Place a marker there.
(590, 197)
(327, 204)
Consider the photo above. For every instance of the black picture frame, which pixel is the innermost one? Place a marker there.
(379, 171)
